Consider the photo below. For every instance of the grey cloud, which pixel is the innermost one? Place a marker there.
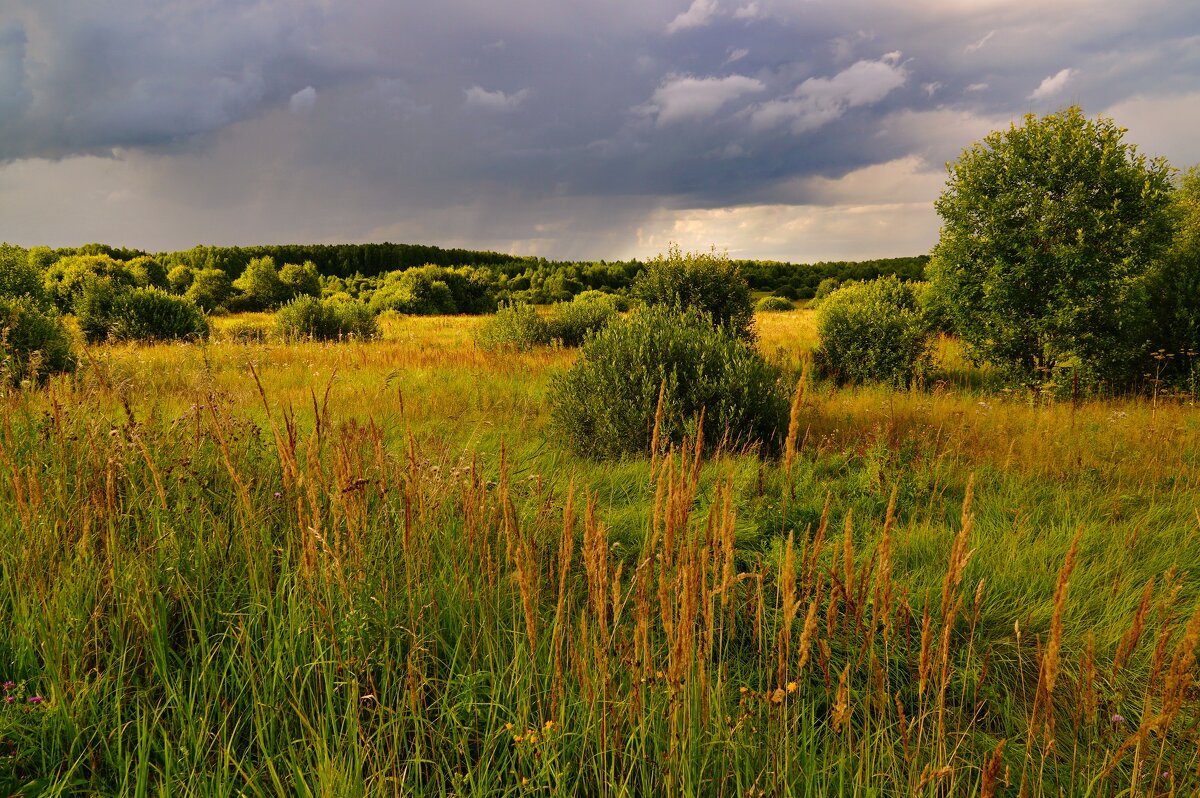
(376, 118)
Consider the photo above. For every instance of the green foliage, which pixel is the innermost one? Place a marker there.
(825, 288)
(514, 327)
(773, 304)
(435, 290)
(604, 407)
(259, 286)
(1173, 292)
(34, 343)
(18, 276)
(707, 282)
(1047, 233)
(210, 289)
(872, 332)
(572, 322)
(109, 312)
(148, 273)
(935, 307)
(180, 278)
(151, 314)
(65, 279)
(300, 279)
(619, 302)
(307, 317)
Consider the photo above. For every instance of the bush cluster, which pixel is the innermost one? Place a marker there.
(773, 304)
(604, 406)
(708, 282)
(34, 343)
(515, 327)
(873, 332)
(108, 312)
(325, 320)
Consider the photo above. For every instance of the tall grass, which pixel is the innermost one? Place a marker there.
(225, 576)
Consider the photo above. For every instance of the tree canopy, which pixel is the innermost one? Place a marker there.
(1050, 230)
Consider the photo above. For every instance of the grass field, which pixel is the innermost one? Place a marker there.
(370, 569)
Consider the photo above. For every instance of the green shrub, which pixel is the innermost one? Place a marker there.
(312, 318)
(824, 289)
(872, 332)
(65, 279)
(18, 276)
(300, 279)
(148, 273)
(151, 314)
(773, 304)
(180, 279)
(34, 343)
(210, 289)
(572, 322)
(619, 303)
(708, 282)
(604, 407)
(514, 327)
(259, 286)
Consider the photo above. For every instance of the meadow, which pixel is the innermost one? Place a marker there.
(368, 568)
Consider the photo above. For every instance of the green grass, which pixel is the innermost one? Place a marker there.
(353, 587)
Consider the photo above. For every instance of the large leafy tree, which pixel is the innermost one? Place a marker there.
(1175, 289)
(1050, 232)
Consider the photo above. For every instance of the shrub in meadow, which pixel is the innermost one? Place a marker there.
(34, 343)
(773, 304)
(324, 320)
(570, 323)
(705, 281)
(151, 314)
(873, 332)
(515, 327)
(605, 406)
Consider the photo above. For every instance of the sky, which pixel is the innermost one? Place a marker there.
(796, 130)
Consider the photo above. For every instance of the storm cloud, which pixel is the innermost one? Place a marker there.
(775, 128)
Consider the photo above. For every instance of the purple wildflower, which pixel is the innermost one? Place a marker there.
(9, 685)
(1117, 718)
(36, 699)
(8, 699)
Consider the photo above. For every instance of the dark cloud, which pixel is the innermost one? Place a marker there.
(540, 123)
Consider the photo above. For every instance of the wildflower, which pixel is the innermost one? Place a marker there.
(1117, 718)
(792, 687)
(278, 494)
(36, 699)
(743, 690)
(508, 727)
(549, 725)
(8, 699)
(9, 686)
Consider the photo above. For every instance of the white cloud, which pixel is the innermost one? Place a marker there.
(970, 48)
(681, 97)
(699, 13)
(798, 233)
(818, 101)
(974, 87)
(478, 97)
(737, 55)
(750, 11)
(303, 101)
(931, 88)
(1052, 85)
